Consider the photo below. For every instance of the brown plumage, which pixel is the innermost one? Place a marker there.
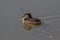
(30, 21)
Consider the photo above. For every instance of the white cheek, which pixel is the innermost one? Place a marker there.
(23, 20)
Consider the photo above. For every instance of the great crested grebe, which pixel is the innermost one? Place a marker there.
(30, 21)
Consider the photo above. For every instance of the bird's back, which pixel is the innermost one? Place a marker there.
(34, 20)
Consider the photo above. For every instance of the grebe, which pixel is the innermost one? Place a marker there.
(30, 21)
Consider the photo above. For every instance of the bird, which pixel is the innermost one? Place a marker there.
(29, 21)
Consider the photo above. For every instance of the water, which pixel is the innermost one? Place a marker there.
(47, 10)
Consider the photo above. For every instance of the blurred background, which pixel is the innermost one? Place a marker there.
(11, 12)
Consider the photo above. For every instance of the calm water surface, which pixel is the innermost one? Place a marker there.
(47, 10)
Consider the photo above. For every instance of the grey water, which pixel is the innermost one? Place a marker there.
(47, 10)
